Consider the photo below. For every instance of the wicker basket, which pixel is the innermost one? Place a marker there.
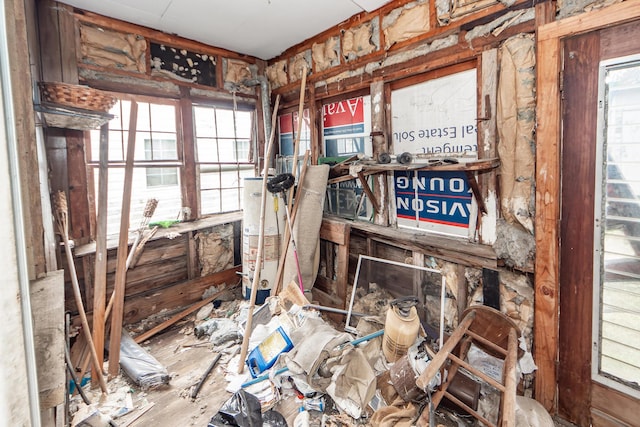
(77, 96)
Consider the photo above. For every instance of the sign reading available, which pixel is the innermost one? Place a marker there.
(343, 117)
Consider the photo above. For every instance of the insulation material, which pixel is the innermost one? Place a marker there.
(516, 122)
(573, 7)
(183, 65)
(498, 25)
(111, 49)
(516, 301)
(359, 41)
(326, 55)
(465, 7)
(277, 74)
(306, 230)
(215, 249)
(236, 71)
(515, 246)
(298, 64)
(412, 21)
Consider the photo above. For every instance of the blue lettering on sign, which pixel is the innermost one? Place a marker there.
(344, 130)
(442, 197)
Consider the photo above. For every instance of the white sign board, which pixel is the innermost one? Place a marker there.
(437, 116)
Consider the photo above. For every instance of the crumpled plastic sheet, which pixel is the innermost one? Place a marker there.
(141, 366)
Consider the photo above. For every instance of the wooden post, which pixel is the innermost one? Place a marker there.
(100, 280)
(380, 145)
(123, 247)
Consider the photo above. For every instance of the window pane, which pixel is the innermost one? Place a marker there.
(169, 198)
(144, 119)
(210, 201)
(243, 124)
(163, 118)
(207, 149)
(205, 122)
(231, 199)
(223, 145)
(225, 123)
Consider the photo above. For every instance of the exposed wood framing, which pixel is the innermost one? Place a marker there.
(123, 245)
(549, 42)
(21, 86)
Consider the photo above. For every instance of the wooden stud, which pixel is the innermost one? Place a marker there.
(123, 247)
(100, 269)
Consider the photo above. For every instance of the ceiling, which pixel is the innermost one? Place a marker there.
(260, 28)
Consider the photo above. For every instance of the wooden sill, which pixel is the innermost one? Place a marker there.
(453, 249)
(181, 228)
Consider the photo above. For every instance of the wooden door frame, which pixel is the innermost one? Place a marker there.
(547, 222)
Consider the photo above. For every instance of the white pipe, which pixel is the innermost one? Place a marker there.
(21, 250)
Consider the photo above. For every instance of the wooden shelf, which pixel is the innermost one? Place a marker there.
(57, 116)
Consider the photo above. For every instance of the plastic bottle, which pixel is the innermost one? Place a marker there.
(400, 328)
(302, 419)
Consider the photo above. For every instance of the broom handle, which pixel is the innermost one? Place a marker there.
(83, 314)
(256, 273)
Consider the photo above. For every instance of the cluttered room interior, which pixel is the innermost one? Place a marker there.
(338, 213)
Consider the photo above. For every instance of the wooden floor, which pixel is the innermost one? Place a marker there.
(186, 358)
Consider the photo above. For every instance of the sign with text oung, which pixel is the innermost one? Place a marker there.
(434, 201)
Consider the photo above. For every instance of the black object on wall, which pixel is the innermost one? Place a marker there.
(491, 288)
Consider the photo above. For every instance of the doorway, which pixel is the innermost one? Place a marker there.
(599, 350)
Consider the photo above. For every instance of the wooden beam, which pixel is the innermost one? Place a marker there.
(123, 246)
(547, 222)
(380, 145)
(100, 269)
(164, 325)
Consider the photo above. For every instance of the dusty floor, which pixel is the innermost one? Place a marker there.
(186, 358)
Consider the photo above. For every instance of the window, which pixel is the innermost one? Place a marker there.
(161, 149)
(616, 330)
(223, 139)
(157, 161)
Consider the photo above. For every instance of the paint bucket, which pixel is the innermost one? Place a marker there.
(273, 228)
(401, 328)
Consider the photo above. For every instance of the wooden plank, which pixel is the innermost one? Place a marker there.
(334, 231)
(456, 250)
(379, 198)
(48, 28)
(579, 117)
(546, 223)
(614, 406)
(25, 135)
(164, 325)
(599, 18)
(487, 107)
(121, 270)
(619, 41)
(47, 298)
(100, 269)
(67, 37)
(189, 175)
(79, 225)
